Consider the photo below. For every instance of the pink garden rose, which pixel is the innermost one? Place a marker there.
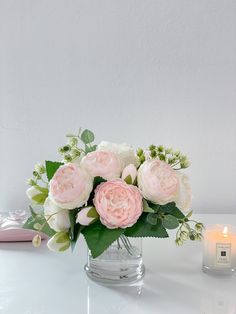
(157, 181)
(118, 204)
(104, 164)
(70, 186)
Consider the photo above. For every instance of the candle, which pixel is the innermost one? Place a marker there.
(219, 255)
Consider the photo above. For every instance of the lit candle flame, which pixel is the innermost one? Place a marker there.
(225, 231)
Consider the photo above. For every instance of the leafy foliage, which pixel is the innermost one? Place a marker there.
(75, 228)
(51, 168)
(40, 198)
(147, 208)
(87, 136)
(99, 238)
(143, 228)
(38, 221)
(170, 222)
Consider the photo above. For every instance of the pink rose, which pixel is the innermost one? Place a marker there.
(118, 204)
(70, 186)
(157, 181)
(104, 164)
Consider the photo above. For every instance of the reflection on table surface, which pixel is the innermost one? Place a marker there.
(36, 281)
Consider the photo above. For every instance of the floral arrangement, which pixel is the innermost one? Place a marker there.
(109, 191)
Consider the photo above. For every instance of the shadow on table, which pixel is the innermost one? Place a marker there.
(160, 293)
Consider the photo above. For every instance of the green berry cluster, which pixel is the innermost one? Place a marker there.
(174, 158)
(38, 172)
(70, 151)
(186, 232)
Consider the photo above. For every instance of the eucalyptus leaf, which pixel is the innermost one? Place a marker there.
(168, 208)
(152, 218)
(170, 222)
(87, 136)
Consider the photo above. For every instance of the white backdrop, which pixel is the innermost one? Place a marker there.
(153, 71)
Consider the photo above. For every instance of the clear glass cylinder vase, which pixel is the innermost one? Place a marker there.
(120, 264)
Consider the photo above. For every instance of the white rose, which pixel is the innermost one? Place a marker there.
(59, 220)
(124, 151)
(184, 194)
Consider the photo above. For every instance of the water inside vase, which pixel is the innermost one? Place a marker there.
(117, 265)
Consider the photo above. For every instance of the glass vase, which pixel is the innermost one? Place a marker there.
(120, 264)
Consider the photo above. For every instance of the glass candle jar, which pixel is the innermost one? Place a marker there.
(219, 254)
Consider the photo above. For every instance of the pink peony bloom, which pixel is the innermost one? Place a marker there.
(157, 181)
(70, 186)
(104, 164)
(118, 204)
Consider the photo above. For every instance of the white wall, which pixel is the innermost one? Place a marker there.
(153, 71)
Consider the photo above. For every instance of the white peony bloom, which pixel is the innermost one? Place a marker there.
(184, 194)
(59, 220)
(124, 151)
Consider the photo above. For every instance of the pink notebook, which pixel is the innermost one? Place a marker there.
(11, 228)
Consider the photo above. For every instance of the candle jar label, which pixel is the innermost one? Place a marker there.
(223, 254)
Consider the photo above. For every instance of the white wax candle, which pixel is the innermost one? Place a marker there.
(219, 249)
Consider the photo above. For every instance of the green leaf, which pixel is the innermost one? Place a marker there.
(152, 218)
(92, 213)
(170, 222)
(168, 208)
(155, 207)
(144, 229)
(89, 149)
(39, 219)
(75, 228)
(177, 213)
(99, 238)
(147, 208)
(33, 213)
(51, 168)
(97, 181)
(41, 189)
(87, 136)
(128, 179)
(40, 198)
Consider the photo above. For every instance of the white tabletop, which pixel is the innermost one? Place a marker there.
(36, 281)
